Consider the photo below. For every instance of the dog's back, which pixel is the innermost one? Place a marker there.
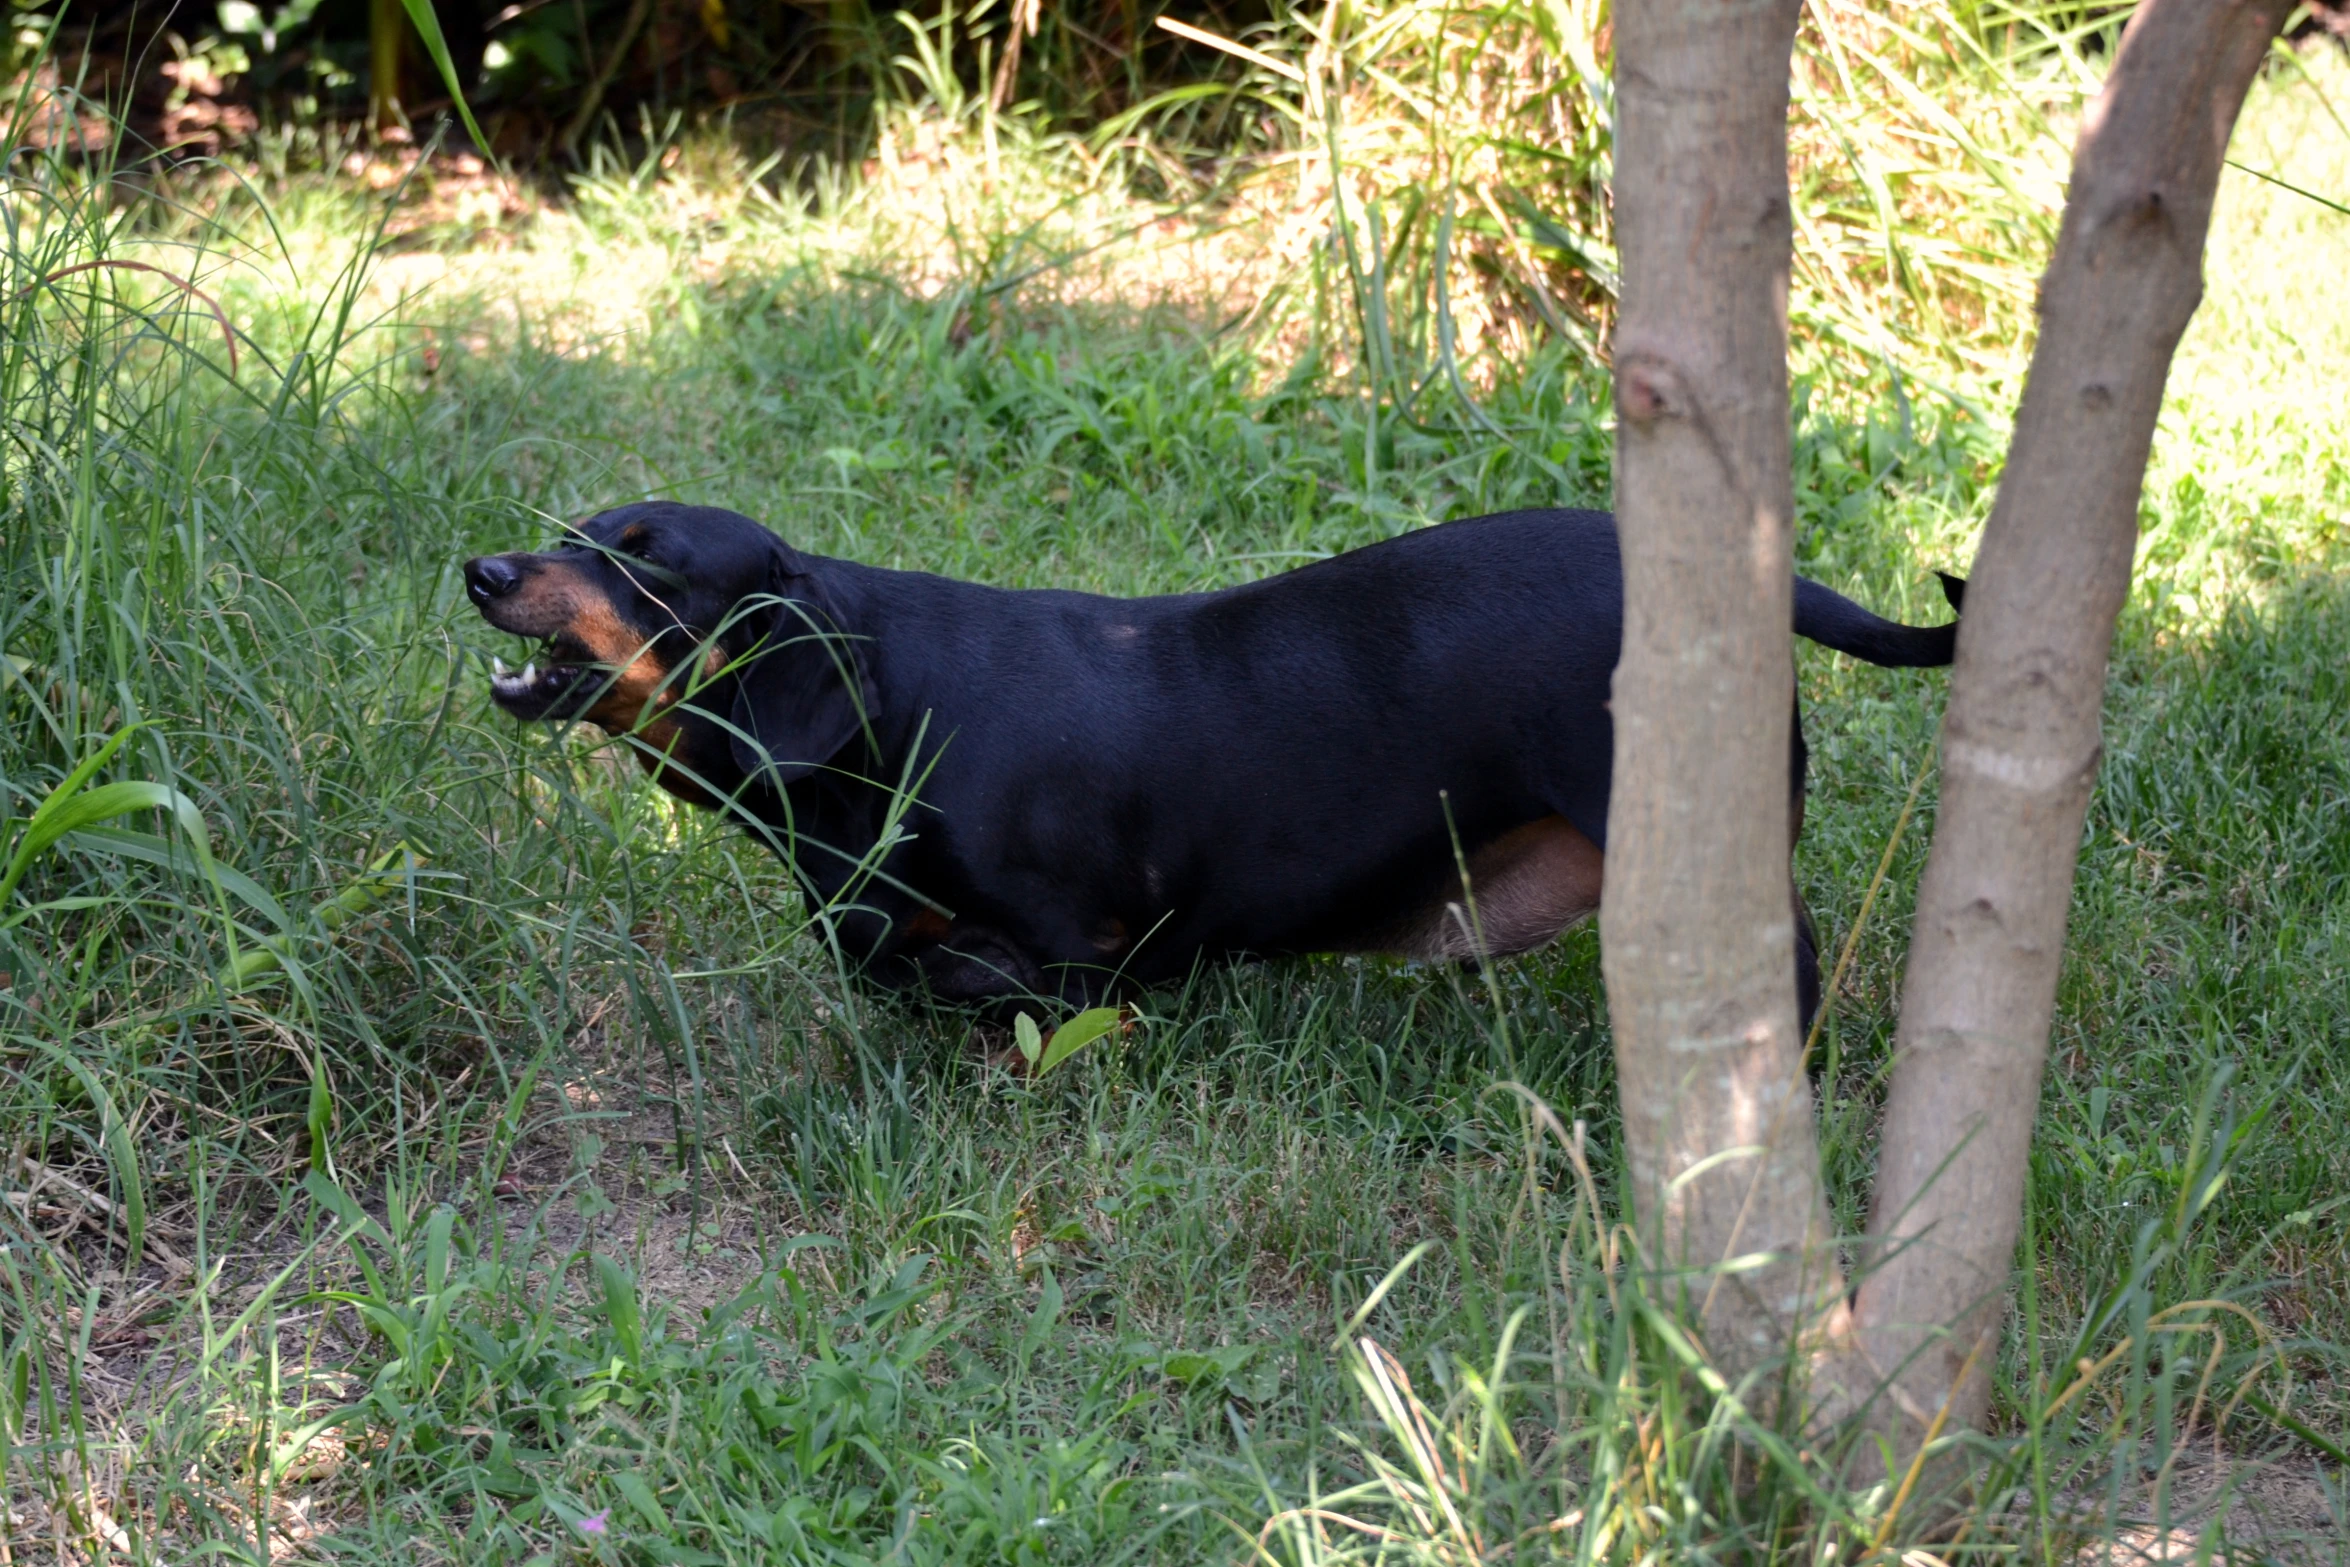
(1112, 789)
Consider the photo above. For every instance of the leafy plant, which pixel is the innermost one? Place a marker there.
(75, 803)
(1043, 1054)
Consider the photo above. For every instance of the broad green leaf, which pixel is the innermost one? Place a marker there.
(320, 1117)
(621, 1308)
(73, 805)
(1075, 1035)
(1040, 1326)
(353, 1218)
(1207, 1368)
(439, 1233)
(640, 1496)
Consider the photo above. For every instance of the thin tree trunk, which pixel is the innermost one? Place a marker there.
(387, 42)
(2020, 740)
(584, 117)
(1698, 934)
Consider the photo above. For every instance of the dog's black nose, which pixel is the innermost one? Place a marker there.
(490, 577)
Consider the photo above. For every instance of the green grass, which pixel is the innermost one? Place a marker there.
(544, 1195)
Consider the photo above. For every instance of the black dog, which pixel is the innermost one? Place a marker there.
(1105, 791)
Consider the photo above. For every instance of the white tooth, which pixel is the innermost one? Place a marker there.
(530, 672)
(497, 665)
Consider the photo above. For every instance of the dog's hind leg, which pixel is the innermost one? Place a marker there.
(1807, 949)
(1807, 969)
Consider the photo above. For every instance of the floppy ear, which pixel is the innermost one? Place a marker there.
(805, 692)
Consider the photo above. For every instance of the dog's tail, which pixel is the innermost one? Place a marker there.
(1832, 620)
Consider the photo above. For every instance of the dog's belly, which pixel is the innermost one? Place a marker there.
(1524, 888)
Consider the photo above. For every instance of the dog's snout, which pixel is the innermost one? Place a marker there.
(490, 577)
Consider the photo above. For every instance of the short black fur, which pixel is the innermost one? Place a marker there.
(1112, 790)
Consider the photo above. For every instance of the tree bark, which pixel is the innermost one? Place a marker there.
(1697, 921)
(387, 44)
(2020, 739)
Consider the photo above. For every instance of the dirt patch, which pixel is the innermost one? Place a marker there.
(2225, 1510)
(606, 1175)
(168, 1350)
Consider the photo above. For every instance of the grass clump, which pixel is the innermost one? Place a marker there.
(455, 1151)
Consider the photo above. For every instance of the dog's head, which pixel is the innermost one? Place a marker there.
(679, 624)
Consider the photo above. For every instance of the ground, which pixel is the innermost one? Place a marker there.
(561, 1202)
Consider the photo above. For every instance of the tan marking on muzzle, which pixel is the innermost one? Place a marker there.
(642, 686)
(927, 926)
(663, 736)
(547, 601)
(640, 691)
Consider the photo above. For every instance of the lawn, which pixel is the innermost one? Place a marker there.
(484, 1162)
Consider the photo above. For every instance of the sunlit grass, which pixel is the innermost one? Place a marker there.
(2249, 488)
(955, 1314)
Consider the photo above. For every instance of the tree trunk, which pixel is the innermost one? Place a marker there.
(387, 42)
(1697, 929)
(1697, 921)
(583, 118)
(2020, 740)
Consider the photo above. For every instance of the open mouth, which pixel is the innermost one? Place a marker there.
(548, 686)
